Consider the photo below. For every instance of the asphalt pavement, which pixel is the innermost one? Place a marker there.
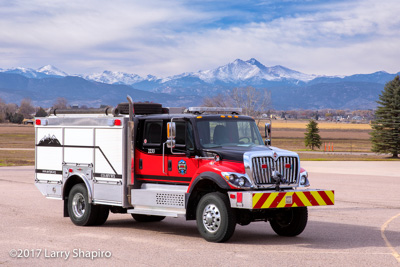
(361, 229)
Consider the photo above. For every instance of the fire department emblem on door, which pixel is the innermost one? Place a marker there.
(182, 167)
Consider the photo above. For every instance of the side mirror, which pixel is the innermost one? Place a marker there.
(267, 134)
(171, 134)
(170, 143)
(171, 130)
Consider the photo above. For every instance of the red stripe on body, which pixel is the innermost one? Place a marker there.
(277, 200)
(311, 199)
(325, 197)
(261, 201)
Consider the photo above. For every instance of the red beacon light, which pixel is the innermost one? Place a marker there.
(116, 122)
(41, 122)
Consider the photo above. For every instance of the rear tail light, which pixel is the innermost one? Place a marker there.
(113, 122)
(41, 122)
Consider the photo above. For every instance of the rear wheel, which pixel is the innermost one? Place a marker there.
(290, 222)
(102, 214)
(147, 218)
(216, 221)
(81, 212)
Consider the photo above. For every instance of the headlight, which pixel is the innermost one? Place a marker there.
(237, 179)
(304, 179)
(241, 181)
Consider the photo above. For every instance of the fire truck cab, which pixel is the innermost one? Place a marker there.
(205, 164)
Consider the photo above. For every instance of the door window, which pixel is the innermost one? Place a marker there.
(184, 135)
(152, 132)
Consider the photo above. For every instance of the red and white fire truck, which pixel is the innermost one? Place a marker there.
(205, 164)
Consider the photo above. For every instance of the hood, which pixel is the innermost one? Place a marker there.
(235, 153)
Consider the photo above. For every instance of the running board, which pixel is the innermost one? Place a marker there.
(160, 200)
(158, 212)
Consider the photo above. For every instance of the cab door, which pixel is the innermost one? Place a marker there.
(180, 167)
(149, 151)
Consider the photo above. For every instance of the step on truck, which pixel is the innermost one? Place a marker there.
(205, 164)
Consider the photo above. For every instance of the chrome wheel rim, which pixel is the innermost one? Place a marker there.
(211, 218)
(78, 205)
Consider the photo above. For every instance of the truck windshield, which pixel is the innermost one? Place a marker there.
(228, 132)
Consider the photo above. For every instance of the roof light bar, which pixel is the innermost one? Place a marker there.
(200, 110)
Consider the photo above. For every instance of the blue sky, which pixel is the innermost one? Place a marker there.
(170, 37)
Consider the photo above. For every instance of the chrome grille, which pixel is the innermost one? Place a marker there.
(263, 176)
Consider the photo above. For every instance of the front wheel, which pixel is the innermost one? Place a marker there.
(216, 221)
(290, 222)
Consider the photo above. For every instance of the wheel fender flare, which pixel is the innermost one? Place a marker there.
(212, 176)
(76, 179)
(191, 195)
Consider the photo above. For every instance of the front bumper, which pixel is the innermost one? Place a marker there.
(286, 199)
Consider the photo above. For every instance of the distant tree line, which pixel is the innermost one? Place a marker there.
(13, 113)
(254, 102)
(325, 114)
(257, 103)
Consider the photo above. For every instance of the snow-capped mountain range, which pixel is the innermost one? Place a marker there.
(290, 89)
(236, 71)
(42, 72)
(240, 70)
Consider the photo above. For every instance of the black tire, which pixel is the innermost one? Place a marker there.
(147, 218)
(102, 214)
(216, 221)
(80, 211)
(290, 222)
